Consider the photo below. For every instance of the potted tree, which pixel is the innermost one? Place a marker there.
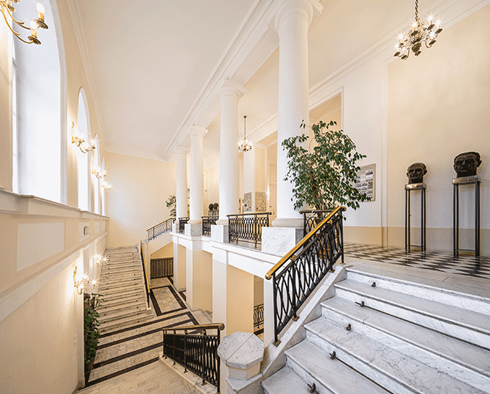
(323, 174)
(91, 330)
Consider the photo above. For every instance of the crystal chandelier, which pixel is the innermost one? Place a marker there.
(99, 172)
(7, 8)
(419, 34)
(79, 139)
(244, 145)
(104, 185)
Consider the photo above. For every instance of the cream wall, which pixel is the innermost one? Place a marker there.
(136, 201)
(166, 251)
(213, 186)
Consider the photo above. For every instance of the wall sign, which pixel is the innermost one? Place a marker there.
(366, 181)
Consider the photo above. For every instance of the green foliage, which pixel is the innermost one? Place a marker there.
(324, 177)
(91, 326)
(171, 204)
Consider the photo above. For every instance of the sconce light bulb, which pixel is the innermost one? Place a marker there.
(40, 8)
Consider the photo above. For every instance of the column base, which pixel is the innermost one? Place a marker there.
(220, 233)
(288, 222)
(280, 240)
(193, 229)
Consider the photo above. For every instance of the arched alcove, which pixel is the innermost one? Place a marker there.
(83, 159)
(96, 163)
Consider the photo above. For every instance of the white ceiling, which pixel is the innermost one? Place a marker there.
(154, 68)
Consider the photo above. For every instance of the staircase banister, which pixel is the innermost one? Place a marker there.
(210, 326)
(173, 220)
(250, 213)
(288, 255)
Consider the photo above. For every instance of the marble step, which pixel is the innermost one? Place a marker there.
(391, 369)
(124, 323)
(121, 314)
(116, 299)
(313, 364)
(109, 291)
(122, 264)
(476, 300)
(285, 381)
(138, 303)
(462, 360)
(457, 322)
(118, 280)
(122, 283)
(120, 270)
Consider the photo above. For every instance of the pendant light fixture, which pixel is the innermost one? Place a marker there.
(244, 145)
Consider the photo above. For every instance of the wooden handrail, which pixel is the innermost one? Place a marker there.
(269, 273)
(210, 326)
(144, 268)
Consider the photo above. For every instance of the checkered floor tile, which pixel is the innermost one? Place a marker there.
(437, 261)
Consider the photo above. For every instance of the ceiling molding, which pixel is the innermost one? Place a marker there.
(123, 150)
(252, 34)
(74, 9)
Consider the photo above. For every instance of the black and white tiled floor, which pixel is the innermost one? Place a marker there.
(430, 260)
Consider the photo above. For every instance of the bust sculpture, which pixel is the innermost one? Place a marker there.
(416, 173)
(465, 164)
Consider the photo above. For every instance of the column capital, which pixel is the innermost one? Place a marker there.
(231, 88)
(183, 150)
(305, 8)
(198, 131)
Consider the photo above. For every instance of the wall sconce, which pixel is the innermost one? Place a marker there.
(7, 8)
(104, 185)
(81, 282)
(99, 172)
(79, 139)
(99, 260)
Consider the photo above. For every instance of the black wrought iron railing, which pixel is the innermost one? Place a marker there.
(258, 317)
(311, 218)
(182, 223)
(160, 228)
(196, 352)
(161, 268)
(207, 221)
(247, 227)
(147, 284)
(298, 273)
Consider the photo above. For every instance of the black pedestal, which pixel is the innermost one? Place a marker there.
(423, 213)
(470, 180)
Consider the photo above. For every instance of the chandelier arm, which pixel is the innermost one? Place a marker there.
(17, 22)
(16, 33)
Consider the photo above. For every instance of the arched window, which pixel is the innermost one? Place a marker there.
(37, 124)
(83, 159)
(102, 192)
(96, 163)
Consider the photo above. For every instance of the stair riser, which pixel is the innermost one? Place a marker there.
(114, 299)
(130, 313)
(443, 364)
(115, 327)
(443, 326)
(122, 282)
(119, 291)
(438, 295)
(307, 377)
(122, 308)
(377, 376)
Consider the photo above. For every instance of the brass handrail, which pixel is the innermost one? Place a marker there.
(210, 326)
(269, 273)
(144, 268)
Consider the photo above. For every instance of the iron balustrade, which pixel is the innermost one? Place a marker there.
(182, 223)
(197, 353)
(298, 273)
(311, 218)
(247, 227)
(258, 317)
(147, 287)
(207, 221)
(160, 228)
(161, 268)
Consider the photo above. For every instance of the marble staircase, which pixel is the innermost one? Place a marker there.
(393, 332)
(123, 290)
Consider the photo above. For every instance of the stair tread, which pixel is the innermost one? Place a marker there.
(122, 323)
(470, 319)
(404, 369)
(110, 308)
(331, 373)
(122, 315)
(284, 381)
(464, 353)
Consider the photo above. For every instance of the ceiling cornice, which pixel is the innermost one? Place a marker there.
(251, 46)
(74, 8)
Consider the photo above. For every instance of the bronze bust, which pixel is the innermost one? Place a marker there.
(465, 164)
(416, 173)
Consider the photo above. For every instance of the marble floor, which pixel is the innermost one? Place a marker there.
(128, 349)
(429, 260)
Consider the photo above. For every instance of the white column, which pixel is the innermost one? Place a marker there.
(197, 183)
(229, 95)
(181, 184)
(292, 22)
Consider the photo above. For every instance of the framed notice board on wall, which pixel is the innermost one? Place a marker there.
(366, 181)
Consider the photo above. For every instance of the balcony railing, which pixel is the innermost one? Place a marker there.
(195, 350)
(160, 228)
(259, 319)
(247, 227)
(298, 273)
(182, 223)
(207, 221)
(311, 218)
